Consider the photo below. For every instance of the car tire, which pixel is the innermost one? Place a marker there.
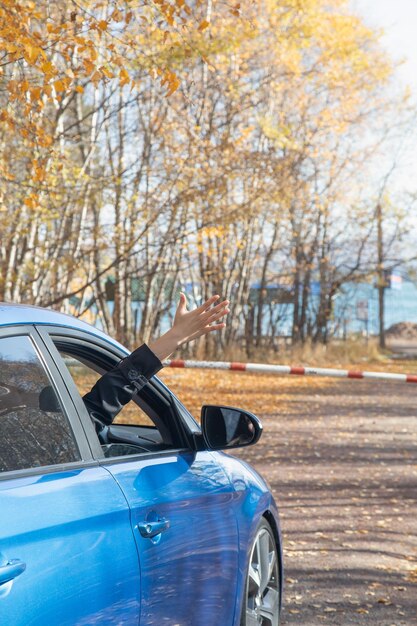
(261, 600)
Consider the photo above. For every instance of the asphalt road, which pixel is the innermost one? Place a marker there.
(342, 463)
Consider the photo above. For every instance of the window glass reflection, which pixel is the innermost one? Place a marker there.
(33, 428)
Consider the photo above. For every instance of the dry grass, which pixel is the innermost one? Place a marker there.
(354, 350)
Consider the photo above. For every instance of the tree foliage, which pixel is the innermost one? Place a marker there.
(198, 144)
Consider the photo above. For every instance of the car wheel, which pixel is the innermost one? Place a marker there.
(261, 602)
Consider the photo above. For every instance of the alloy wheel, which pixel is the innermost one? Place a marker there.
(262, 587)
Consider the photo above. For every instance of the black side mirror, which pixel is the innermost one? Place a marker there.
(228, 427)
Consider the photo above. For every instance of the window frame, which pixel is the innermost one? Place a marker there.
(188, 430)
(74, 423)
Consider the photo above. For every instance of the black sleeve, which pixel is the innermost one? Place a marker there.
(117, 387)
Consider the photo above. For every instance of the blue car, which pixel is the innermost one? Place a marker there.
(153, 526)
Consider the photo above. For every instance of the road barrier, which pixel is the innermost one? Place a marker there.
(295, 371)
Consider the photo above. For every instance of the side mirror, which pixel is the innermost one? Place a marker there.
(228, 427)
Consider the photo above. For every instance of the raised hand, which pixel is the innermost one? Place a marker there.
(189, 325)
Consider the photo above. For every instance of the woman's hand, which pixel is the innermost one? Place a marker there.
(189, 325)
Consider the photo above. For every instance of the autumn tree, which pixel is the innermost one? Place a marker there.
(156, 146)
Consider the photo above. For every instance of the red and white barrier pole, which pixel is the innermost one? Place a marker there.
(297, 371)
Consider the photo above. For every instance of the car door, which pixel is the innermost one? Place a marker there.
(185, 530)
(180, 500)
(67, 552)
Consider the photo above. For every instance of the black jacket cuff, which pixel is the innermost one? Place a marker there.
(141, 363)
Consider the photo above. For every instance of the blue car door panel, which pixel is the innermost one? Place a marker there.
(71, 530)
(186, 532)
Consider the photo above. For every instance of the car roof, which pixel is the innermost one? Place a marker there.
(16, 314)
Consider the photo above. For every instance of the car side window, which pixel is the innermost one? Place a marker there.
(85, 377)
(34, 431)
(145, 424)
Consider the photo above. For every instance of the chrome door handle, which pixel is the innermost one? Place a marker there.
(11, 570)
(151, 529)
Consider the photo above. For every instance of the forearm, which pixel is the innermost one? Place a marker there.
(165, 345)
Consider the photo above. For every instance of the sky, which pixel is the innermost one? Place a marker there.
(398, 19)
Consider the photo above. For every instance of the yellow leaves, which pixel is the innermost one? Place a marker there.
(89, 66)
(35, 93)
(218, 231)
(312, 49)
(203, 25)
(13, 88)
(61, 84)
(124, 78)
(44, 139)
(49, 45)
(31, 201)
(31, 54)
(6, 174)
(96, 77)
(105, 71)
(35, 97)
(11, 47)
(49, 69)
(90, 50)
(244, 134)
(116, 16)
(278, 132)
(39, 171)
(170, 80)
(173, 86)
